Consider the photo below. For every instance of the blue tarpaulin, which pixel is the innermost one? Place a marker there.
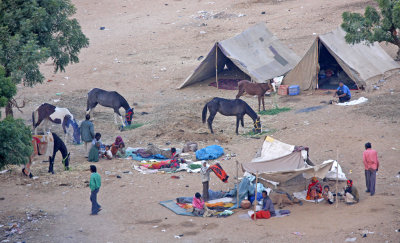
(210, 152)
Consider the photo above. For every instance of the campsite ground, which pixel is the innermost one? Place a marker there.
(146, 50)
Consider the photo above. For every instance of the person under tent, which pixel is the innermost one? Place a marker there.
(314, 189)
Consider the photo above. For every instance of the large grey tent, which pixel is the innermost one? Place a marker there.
(256, 52)
(330, 59)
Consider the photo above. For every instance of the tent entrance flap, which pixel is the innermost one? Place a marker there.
(330, 72)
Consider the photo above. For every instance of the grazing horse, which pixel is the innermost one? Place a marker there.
(46, 112)
(109, 99)
(226, 107)
(59, 145)
(258, 89)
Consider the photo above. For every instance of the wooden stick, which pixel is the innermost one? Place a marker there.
(337, 176)
(237, 184)
(255, 198)
(216, 64)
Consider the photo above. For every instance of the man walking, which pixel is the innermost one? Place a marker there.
(205, 178)
(87, 133)
(94, 184)
(371, 164)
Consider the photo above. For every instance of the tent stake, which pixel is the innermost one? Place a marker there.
(237, 184)
(255, 199)
(337, 176)
(216, 64)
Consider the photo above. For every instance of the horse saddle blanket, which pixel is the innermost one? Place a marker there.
(217, 169)
(44, 144)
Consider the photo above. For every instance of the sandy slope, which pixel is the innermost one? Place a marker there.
(146, 51)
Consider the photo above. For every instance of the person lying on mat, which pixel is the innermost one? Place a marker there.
(314, 189)
(351, 193)
(327, 195)
(267, 204)
(342, 92)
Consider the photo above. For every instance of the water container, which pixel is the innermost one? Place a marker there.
(294, 90)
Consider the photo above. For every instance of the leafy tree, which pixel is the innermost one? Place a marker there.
(15, 137)
(373, 25)
(33, 31)
(15, 142)
(7, 88)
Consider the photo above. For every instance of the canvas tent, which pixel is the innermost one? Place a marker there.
(255, 51)
(331, 59)
(280, 162)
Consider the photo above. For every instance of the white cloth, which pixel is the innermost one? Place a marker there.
(354, 102)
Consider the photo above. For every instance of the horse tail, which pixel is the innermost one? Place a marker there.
(35, 114)
(204, 114)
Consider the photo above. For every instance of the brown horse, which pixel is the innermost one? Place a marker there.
(258, 89)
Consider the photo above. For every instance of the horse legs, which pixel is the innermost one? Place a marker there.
(263, 102)
(122, 120)
(237, 124)
(51, 163)
(210, 120)
(259, 102)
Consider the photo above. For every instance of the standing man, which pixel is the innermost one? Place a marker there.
(94, 184)
(342, 92)
(205, 178)
(371, 164)
(87, 134)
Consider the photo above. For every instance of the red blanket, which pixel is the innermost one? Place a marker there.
(262, 215)
(220, 172)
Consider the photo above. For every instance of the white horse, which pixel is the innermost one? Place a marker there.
(46, 113)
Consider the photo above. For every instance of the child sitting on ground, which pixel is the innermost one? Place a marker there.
(107, 154)
(121, 153)
(327, 195)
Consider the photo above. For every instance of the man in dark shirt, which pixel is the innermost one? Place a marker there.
(267, 204)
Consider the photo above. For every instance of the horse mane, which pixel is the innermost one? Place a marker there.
(124, 103)
(250, 111)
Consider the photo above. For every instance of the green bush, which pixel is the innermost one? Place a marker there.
(15, 142)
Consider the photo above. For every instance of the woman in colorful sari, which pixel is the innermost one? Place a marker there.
(115, 145)
(314, 189)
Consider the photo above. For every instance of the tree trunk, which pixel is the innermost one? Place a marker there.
(398, 54)
(9, 111)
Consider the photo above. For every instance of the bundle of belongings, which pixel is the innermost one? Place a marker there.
(209, 152)
(279, 162)
(151, 152)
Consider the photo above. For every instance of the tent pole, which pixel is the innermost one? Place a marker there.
(216, 64)
(237, 184)
(255, 199)
(317, 67)
(337, 176)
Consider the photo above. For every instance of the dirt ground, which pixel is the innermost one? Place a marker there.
(147, 49)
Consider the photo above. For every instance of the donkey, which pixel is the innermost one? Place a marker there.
(226, 107)
(109, 99)
(258, 89)
(47, 112)
(59, 145)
